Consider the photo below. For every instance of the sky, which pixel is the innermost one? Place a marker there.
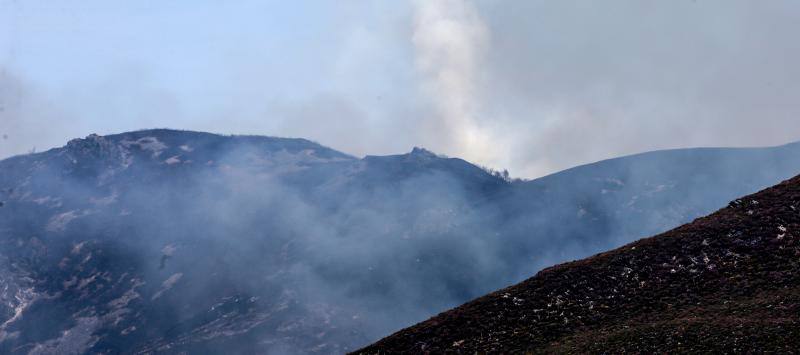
(529, 86)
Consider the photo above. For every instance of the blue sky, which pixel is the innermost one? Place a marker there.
(532, 86)
(127, 65)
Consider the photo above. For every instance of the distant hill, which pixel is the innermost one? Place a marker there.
(598, 206)
(177, 241)
(728, 282)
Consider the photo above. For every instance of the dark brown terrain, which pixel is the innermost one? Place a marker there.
(728, 282)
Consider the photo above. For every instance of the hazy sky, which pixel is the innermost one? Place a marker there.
(532, 86)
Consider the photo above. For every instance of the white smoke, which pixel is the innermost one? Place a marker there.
(450, 41)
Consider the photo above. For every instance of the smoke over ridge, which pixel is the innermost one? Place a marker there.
(450, 41)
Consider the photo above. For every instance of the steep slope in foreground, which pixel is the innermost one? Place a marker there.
(726, 282)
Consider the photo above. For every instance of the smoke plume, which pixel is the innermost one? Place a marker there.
(450, 40)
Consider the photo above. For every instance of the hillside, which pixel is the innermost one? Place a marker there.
(728, 282)
(176, 241)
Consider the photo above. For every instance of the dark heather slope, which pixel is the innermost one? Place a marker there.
(728, 282)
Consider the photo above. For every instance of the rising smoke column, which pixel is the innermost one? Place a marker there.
(450, 40)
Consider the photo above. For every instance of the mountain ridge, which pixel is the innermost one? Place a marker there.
(200, 242)
(415, 151)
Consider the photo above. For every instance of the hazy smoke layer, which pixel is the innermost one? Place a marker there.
(532, 86)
